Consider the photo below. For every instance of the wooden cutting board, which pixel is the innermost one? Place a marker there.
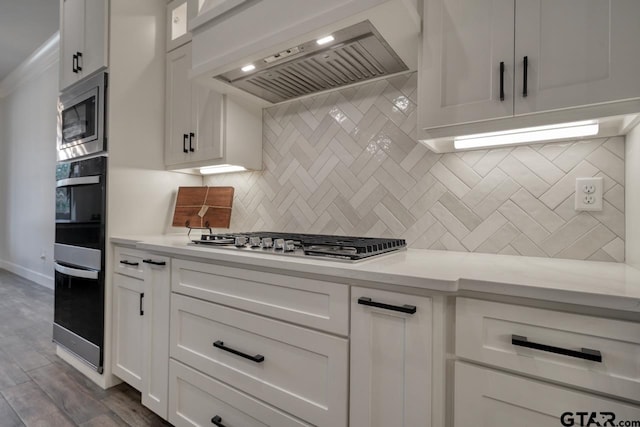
(203, 207)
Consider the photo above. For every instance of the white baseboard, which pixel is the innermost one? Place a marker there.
(34, 276)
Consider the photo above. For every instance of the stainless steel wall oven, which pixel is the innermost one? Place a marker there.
(79, 258)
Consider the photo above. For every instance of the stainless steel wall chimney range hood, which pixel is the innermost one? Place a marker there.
(352, 55)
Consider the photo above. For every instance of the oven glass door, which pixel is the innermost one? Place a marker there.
(79, 119)
(79, 211)
(79, 302)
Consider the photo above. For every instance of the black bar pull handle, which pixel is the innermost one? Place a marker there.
(74, 63)
(585, 353)
(258, 358)
(125, 262)
(152, 262)
(525, 73)
(409, 309)
(191, 136)
(502, 81)
(184, 142)
(217, 421)
(79, 61)
(141, 308)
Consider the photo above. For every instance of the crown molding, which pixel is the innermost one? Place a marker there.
(37, 63)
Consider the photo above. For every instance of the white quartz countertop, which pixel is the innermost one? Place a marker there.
(592, 283)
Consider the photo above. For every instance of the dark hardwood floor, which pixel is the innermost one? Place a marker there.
(37, 388)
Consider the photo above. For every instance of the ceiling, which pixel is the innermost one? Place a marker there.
(24, 26)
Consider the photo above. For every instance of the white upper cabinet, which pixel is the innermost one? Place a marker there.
(83, 39)
(204, 127)
(578, 53)
(466, 41)
(177, 32)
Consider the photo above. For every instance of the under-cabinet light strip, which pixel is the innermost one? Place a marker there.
(209, 170)
(532, 134)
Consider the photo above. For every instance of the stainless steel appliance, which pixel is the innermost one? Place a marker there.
(82, 111)
(311, 245)
(353, 55)
(79, 258)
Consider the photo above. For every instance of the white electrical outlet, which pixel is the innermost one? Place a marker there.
(589, 193)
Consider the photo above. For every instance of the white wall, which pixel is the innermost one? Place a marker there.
(27, 166)
(141, 193)
(632, 197)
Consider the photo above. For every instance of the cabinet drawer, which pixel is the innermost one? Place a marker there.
(196, 399)
(485, 332)
(302, 372)
(307, 302)
(487, 398)
(128, 262)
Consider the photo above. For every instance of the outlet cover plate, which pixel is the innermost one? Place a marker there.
(589, 189)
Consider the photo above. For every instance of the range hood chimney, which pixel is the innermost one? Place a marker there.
(351, 55)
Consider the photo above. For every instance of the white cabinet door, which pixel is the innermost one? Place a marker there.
(178, 108)
(127, 329)
(207, 108)
(71, 35)
(194, 114)
(157, 290)
(464, 43)
(96, 37)
(579, 52)
(390, 360)
(487, 398)
(83, 39)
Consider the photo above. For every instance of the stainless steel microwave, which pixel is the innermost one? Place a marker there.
(82, 116)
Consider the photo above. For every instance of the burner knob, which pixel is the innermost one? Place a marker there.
(289, 246)
(267, 242)
(278, 244)
(241, 241)
(254, 242)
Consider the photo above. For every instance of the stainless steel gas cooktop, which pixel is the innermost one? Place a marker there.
(316, 245)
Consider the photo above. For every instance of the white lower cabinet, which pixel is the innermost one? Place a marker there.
(297, 370)
(560, 366)
(127, 329)
(157, 291)
(199, 400)
(488, 398)
(141, 325)
(391, 339)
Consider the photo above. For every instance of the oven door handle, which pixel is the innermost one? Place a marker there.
(75, 272)
(84, 180)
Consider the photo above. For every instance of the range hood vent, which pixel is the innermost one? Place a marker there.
(356, 54)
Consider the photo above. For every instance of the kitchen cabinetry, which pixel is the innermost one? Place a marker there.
(596, 354)
(390, 359)
(177, 33)
(269, 364)
(488, 398)
(127, 329)
(205, 127)
(141, 290)
(478, 64)
(84, 35)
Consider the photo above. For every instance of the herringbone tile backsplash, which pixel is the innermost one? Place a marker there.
(348, 163)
